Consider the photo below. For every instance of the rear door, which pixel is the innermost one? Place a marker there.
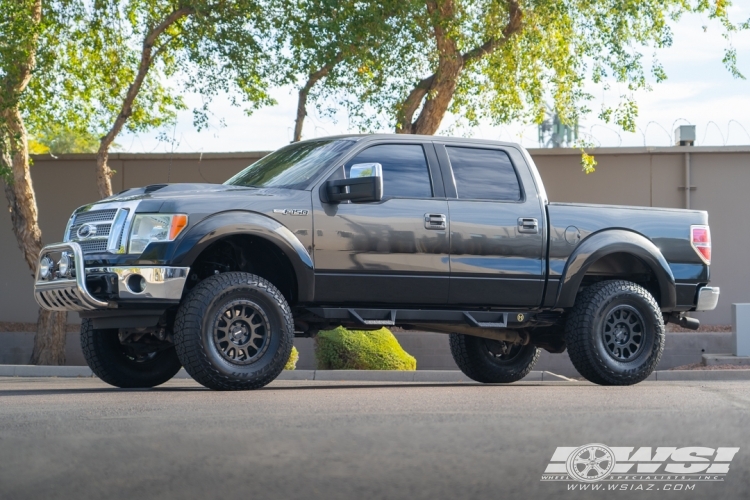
(390, 252)
(496, 227)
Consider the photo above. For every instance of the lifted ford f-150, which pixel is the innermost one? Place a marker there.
(427, 233)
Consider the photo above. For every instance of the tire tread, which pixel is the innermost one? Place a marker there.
(579, 332)
(467, 353)
(188, 330)
(114, 370)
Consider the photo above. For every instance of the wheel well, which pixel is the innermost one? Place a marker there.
(250, 254)
(622, 265)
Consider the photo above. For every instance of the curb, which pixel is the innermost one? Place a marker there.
(446, 376)
(401, 376)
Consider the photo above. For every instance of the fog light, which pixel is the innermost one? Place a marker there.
(45, 266)
(136, 283)
(63, 266)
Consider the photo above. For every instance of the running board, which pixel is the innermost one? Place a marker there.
(390, 317)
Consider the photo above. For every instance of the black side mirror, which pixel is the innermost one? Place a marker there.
(365, 184)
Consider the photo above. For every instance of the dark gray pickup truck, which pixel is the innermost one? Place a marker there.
(427, 233)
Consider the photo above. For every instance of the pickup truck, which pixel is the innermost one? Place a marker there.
(434, 234)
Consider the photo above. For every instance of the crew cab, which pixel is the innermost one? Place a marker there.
(427, 233)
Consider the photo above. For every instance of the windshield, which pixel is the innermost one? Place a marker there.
(292, 166)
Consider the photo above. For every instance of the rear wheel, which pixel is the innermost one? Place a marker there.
(123, 366)
(615, 333)
(492, 361)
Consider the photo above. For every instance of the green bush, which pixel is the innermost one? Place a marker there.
(291, 363)
(343, 349)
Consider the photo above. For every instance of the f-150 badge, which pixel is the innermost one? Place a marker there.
(286, 211)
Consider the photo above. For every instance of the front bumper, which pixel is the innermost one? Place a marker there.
(71, 293)
(708, 297)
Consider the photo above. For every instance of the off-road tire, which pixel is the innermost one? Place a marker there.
(473, 357)
(194, 332)
(587, 345)
(110, 361)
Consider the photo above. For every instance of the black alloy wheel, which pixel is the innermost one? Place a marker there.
(623, 332)
(492, 361)
(121, 365)
(241, 332)
(615, 333)
(234, 331)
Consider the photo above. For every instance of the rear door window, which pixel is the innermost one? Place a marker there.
(483, 174)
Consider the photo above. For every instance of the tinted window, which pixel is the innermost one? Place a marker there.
(484, 174)
(292, 166)
(405, 171)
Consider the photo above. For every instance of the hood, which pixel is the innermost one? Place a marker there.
(205, 199)
(163, 191)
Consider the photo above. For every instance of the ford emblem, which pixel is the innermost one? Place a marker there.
(86, 231)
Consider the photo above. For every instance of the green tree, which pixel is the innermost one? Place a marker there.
(501, 60)
(333, 45)
(58, 140)
(78, 68)
(121, 56)
(27, 31)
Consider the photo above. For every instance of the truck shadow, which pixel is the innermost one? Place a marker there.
(21, 392)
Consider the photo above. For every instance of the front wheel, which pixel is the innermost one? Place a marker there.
(492, 361)
(234, 331)
(121, 365)
(615, 333)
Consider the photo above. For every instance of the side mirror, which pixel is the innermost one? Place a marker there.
(365, 183)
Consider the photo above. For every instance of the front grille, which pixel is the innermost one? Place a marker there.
(101, 230)
(95, 216)
(102, 220)
(93, 246)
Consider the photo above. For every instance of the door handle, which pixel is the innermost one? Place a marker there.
(435, 221)
(528, 225)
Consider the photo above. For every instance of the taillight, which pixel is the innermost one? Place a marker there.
(700, 239)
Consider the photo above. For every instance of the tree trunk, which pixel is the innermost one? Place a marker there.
(305, 91)
(301, 111)
(103, 172)
(49, 341)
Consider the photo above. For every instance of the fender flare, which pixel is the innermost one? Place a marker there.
(223, 224)
(606, 243)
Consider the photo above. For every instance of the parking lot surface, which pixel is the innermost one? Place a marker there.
(79, 438)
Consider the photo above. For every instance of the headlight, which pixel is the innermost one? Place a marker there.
(155, 227)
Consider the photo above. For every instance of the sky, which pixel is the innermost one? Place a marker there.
(698, 91)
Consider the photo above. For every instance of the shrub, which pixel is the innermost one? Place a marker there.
(343, 349)
(291, 363)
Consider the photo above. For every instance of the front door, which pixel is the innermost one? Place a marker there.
(394, 251)
(497, 228)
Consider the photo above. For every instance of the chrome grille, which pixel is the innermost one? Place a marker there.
(95, 216)
(101, 230)
(93, 246)
(102, 220)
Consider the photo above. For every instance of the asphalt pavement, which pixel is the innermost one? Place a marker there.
(79, 438)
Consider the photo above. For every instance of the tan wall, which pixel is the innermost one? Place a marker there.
(624, 176)
(653, 177)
